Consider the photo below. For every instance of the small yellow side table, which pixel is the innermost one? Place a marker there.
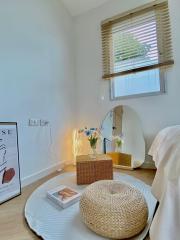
(121, 160)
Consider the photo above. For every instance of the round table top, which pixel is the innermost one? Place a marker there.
(51, 222)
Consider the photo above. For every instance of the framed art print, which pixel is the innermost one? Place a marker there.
(10, 185)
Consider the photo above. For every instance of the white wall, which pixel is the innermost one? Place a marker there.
(155, 112)
(37, 80)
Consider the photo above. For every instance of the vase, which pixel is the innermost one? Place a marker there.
(118, 149)
(94, 152)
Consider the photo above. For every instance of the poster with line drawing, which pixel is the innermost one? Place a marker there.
(10, 185)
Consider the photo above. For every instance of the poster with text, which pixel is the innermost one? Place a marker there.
(10, 185)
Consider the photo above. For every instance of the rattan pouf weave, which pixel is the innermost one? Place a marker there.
(113, 209)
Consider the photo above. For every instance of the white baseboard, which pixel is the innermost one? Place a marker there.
(38, 175)
(69, 163)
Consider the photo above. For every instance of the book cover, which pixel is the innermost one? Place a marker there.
(64, 196)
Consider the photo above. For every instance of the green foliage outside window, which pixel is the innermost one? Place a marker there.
(126, 47)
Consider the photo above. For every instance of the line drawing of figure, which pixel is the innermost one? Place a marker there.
(3, 162)
(5, 175)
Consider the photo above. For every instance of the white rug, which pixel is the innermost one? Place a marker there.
(53, 223)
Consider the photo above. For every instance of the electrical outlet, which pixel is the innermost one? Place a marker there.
(34, 122)
(44, 122)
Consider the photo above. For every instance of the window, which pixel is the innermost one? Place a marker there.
(147, 82)
(136, 47)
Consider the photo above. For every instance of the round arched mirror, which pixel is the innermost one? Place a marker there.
(123, 137)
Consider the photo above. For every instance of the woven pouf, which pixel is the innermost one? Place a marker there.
(113, 209)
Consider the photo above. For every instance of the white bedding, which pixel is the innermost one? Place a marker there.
(165, 151)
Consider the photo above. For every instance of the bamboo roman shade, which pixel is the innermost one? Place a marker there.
(137, 41)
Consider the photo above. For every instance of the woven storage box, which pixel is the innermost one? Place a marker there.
(90, 169)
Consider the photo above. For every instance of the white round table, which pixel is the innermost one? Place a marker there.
(51, 222)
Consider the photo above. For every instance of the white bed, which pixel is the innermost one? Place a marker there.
(165, 151)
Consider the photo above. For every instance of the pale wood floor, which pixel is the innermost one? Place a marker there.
(12, 223)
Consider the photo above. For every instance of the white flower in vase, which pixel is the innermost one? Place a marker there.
(118, 143)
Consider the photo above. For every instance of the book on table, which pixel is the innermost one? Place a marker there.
(64, 196)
